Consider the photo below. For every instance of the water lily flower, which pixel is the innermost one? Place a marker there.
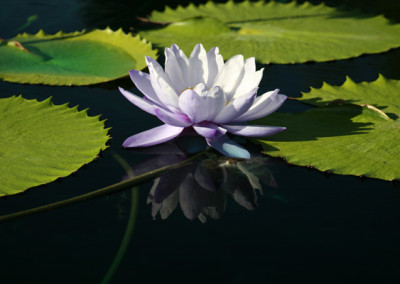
(204, 94)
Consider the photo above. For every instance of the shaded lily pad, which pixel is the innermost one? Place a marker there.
(275, 32)
(79, 58)
(40, 142)
(347, 139)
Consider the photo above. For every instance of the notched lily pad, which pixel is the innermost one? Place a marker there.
(40, 142)
(359, 140)
(79, 58)
(383, 93)
(275, 32)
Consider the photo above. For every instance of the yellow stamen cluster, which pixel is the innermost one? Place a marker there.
(190, 88)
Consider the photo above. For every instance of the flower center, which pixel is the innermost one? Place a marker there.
(190, 88)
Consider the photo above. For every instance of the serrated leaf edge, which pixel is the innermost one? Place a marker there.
(75, 108)
(348, 82)
(60, 34)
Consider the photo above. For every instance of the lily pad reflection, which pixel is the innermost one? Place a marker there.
(201, 188)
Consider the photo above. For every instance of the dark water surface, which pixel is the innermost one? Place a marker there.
(307, 227)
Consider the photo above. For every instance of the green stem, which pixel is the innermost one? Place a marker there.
(103, 191)
(126, 239)
(129, 228)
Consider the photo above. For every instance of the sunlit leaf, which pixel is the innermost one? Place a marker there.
(348, 139)
(275, 32)
(40, 142)
(79, 58)
(382, 93)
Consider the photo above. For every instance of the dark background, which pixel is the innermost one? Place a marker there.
(314, 228)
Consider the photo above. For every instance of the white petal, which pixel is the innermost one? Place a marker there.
(236, 108)
(138, 101)
(214, 103)
(153, 136)
(161, 84)
(181, 59)
(210, 103)
(175, 119)
(251, 79)
(174, 71)
(200, 104)
(143, 83)
(230, 75)
(215, 64)
(264, 105)
(209, 130)
(253, 130)
(201, 89)
(198, 66)
(227, 147)
(188, 104)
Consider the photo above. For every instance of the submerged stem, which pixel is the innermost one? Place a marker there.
(129, 228)
(103, 191)
(126, 239)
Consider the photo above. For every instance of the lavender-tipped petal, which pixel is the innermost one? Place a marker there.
(138, 101)
(153, 136)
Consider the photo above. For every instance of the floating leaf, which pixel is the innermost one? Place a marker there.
(347, 139)
(382, 93)
(40, 142)
(79, 58)
(275, 32)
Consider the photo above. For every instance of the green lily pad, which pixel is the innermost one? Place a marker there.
(79, 58)
(382, 93)
(40, 142)
(275, 32)
(358, 140)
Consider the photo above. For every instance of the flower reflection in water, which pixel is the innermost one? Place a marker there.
(201, 188)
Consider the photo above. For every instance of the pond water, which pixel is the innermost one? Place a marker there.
(305, 226)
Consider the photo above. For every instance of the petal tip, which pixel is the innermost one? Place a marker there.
(175, 46)
(279, 130)
(282, 97)
(126, 143)
(215, 49)
(228, 148)
(149, 60)
(122, 90)
(133, 72)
